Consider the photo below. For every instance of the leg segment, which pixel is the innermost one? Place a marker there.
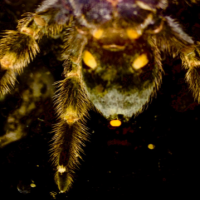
(158, 69)
(16, 51)
(172, 39)
(191, 61)
(18, 48)
(72, 107)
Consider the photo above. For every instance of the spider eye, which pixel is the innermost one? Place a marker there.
(140, 61)
(115, 123)
(89, 59)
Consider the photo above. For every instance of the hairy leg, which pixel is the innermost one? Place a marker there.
(18, 48)
(191, 61)
(72, 107)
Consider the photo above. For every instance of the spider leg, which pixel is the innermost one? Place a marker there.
(191, 61)
(72, 107)
(16, 51)
(178, 43)
(18, 48)
(172, 39)
(158, 69)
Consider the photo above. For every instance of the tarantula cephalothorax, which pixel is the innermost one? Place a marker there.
(112, 63)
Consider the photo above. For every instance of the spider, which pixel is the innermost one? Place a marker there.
(112, 63)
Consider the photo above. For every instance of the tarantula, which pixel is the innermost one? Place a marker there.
(112, 63)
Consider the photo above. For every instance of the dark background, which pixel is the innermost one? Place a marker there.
(117, 161)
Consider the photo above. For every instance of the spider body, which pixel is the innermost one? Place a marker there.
(112, 62)
(116, 33)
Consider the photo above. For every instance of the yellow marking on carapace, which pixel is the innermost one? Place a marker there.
(132, 34)
(115, 123)
(97, 33)
(151, 146)
(89, 59)
(140, 61)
